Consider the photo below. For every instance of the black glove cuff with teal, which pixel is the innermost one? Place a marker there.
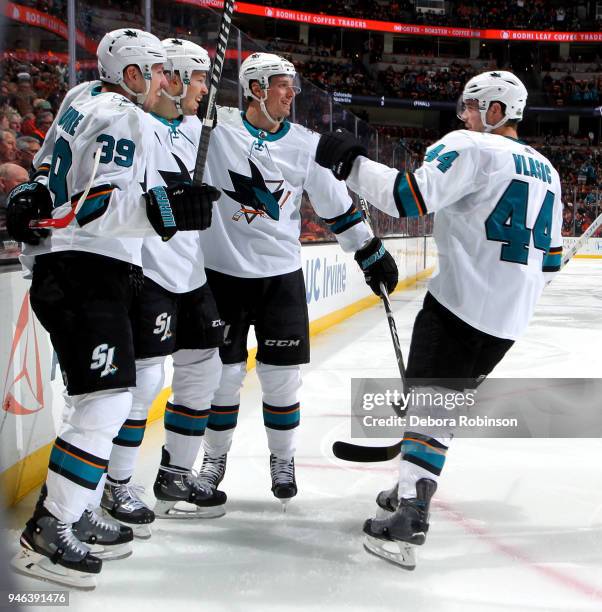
(378, 266)
(159, 212)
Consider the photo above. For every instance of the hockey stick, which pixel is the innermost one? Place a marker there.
(366, 454)
(216, 76)
(581, 240)
(63, 222)
(384, 294)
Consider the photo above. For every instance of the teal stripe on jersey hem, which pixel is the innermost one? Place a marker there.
(92, 206)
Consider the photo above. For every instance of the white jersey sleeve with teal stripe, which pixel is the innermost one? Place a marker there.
(447, 174)
(331, 200)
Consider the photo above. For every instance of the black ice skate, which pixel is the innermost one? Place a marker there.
(121, 500)
(51, 552)
(395, 536)
(387, 502)
(107, 538)
(194, 499)
(284, 486)
(213, 470)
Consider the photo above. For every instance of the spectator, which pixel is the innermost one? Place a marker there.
(43, 122)
(28, 124)
(14, 123)
(8, 146)
(27, 147)
(23, 99)
(11, 175)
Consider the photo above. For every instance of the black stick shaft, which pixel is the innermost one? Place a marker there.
(216, 76)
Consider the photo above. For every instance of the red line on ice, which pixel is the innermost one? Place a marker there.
(471, 527)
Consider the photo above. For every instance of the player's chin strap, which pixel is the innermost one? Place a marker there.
(490, 128)
(264, 110)
(140, 98)
(177, 100)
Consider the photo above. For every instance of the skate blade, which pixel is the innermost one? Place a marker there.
(285, 501)
(401, 554)
(142, 531)
(30, 563)
(111, 553)
(186, 511)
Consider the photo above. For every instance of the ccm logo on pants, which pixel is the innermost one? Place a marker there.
(282, 343)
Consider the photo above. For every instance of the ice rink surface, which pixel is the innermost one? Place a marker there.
(516, 524)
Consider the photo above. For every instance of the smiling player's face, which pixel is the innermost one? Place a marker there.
(197, 89)
(280, 96)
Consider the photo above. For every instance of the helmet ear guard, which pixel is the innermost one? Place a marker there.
(126, 47)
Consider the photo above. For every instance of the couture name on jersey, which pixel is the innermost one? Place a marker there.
(528, 166)
(70, 119)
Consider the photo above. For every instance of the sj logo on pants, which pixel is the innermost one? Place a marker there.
(102, 359)
(163, 326)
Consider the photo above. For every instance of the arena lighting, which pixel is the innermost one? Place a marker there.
(339, 21)
(35, 18)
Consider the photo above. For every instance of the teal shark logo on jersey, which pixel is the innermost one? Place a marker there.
(252, 193)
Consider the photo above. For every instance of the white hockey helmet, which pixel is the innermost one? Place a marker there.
(497, 86)
(261, 67)
(121, 48)
(184, 57)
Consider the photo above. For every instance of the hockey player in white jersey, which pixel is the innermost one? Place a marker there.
(262, 163)
(85, 274)
(498, 216)
(174, 313)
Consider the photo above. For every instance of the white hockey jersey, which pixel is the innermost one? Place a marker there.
(257, 222)
(113, 220)
(176, 265)
(498, 219)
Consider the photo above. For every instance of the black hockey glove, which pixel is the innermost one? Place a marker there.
(25, 203)
(337, 152)
(181, 208)
(377, 265)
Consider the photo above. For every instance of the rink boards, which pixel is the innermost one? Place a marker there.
(32, 388)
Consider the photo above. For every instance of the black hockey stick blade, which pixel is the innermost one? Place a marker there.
(365, 454)
(216, 76)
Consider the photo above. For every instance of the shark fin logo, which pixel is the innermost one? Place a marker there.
(23, 387)
(252, 193)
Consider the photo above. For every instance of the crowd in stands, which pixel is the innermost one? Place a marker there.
(514, 14)
(30, 94)
(571, 91)
(580, 168)
(432, 83)
(350, 77)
